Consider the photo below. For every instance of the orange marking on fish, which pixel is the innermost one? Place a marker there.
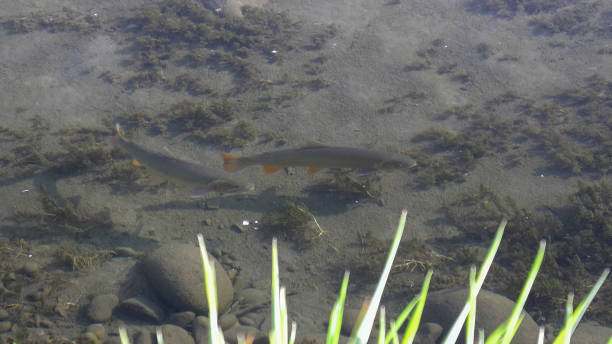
(271, 169)
(230, 161)
(314, 169)
(136, 163)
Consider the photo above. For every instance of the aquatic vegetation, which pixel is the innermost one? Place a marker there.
(282, 333)
(581, 227)
(347, 186)
(60, 215)
(294, 222)
(235, 136)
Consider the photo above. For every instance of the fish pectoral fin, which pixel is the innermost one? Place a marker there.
(269, 169)
(231, 161)
(136, 163)
(313, 169)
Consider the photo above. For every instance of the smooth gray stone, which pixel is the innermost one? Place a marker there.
(443, 307)
(101, 307)
(175, 272)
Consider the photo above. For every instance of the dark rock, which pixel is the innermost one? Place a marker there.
(226, 321)
(97, 329)
(182, 319)
(175, 271)
(200, 329)
(443, 307)
(176, 335)
(143, 308)
(591, 333)
(101, 307)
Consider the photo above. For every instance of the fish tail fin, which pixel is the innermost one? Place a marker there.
(232, 162)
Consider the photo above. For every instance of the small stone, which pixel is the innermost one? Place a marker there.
(89, 338)
(31, 268)
(248, 321)
(232, 274)
(227, 321)
(97, 329)
(239, 228)
(101, 307)
(143, 308)
(5, 326)
(207, 222)
(182, 319)
(217, 252)
(200, 329)
(253, 297)
(176, 335)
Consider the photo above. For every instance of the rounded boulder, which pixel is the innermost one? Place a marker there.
(175, 272)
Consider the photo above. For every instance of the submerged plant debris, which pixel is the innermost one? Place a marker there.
(579, 244)
(572, 133)
(294, 222)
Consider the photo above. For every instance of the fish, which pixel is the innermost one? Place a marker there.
(317, 157)
(179, 170)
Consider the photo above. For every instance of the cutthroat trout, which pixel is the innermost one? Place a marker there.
(181, 171)
(316, 157)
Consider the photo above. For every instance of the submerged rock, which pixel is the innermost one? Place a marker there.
(443, 307)
(175, 272)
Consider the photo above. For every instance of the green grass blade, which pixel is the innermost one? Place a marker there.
(568, 329)
(364, 328)
(276, 328)
(454, 331)
(159, 335)
(395, 326)
(335, 318)
(214, 334)
(123, 336)
(569, 310)
(415, 319)
(471, 318)
(511, 325)
(381, 326)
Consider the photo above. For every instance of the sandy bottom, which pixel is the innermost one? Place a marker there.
(57, 76)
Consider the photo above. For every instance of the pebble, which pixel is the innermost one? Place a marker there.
(5, 326)
(101, 307)
(252, 296)
(200, 329)
(227, 321)
(176, 335)
(143, 308)
(89, 338)
(31, 268)
(97, 329)
(182, 319)
(175, 271)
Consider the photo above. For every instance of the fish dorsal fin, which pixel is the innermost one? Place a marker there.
(271, 169)
(312, 144)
